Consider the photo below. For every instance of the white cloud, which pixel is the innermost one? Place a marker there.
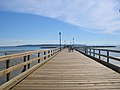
(93, 15)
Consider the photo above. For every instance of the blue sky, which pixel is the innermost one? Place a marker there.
(92, 22)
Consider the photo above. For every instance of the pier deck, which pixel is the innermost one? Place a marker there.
(71, 71)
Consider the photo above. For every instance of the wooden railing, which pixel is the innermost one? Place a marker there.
(38, 57)
(103, 56)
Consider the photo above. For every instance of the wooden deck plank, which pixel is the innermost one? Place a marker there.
(71, 71)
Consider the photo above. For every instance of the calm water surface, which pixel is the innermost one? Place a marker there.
(12, 50)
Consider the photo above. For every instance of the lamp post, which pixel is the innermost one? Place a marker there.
(60, 39)
(73, 42)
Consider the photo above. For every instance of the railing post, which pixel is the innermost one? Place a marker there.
(28, 60)
(44, 55)
(90, 51)
(51, 52)
(48, 53)
(7, 66)
(93, 52)
(85, 51)
(108, 56)
(99, 55)
(38, 56)
(24, 69)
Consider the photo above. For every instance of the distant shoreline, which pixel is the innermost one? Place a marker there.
(101, 46)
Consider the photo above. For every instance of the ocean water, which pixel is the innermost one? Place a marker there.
(13, 50)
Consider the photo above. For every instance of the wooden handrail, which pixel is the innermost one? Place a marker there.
(93, 53)
(117, 51)
(4, 72)
(41, 54)
(13, 56)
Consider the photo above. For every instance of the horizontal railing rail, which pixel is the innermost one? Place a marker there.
(103, 56)
(27, 58)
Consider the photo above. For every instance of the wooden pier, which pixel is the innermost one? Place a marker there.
(70, 71)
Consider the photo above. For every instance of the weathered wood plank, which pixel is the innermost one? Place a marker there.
(71, 71)
(21, 76)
